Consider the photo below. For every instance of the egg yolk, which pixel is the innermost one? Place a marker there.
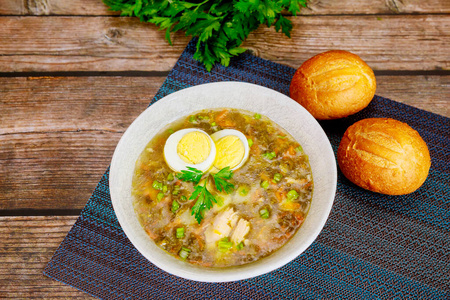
(230, 152)
(194, 147)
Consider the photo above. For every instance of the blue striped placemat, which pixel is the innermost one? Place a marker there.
(372, 246)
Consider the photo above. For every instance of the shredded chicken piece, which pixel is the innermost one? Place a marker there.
(240, 231)
(300, 182)
(222, 225)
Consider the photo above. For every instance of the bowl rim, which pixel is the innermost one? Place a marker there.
(271, 100)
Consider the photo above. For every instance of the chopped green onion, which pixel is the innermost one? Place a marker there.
(213, 124)
(240, 246)
(277, 177)
(269, 155)
(200, 117)
(192, 119)
(250, 142)
(184, 253)
(265, 184)
(160, 196)
(183, 198)
(257, 116)
(205, 118)
(180, 233)
(176, 190)
(299, 149)
(171, 131)
(175, 206)
(225, 245)
(164, 188)
(292, 195)
(281, 136)
(170, 177)
(157, 185)
(243, 190)
(264, 213)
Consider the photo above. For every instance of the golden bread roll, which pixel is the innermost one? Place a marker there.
(333, 85)
(384, 156)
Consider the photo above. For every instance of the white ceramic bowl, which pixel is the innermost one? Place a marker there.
(279, 108)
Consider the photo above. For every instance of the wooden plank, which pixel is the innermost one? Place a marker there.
(85, 44)
(385, 43)
(71, 104)
(332, 7)
(54, 7)
(412, 42)
(58, 134)
(53, 170)
(27, 245)
(315, 7)
(431, 93)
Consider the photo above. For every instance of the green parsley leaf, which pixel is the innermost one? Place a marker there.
(204, 201)
(191, 174)
(220, 180)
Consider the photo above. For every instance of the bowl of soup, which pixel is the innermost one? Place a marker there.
(223, 181)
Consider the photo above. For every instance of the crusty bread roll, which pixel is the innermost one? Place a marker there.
(384, 156)
(333, 85)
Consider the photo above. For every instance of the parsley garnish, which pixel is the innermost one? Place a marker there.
(192, 174)
(221, 26)
(204, 201)
(220, 179)
(204, 198)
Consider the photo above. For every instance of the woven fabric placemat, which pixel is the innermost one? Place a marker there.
(372, 246)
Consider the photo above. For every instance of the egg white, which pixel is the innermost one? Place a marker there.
(175, 162)
(226, 132)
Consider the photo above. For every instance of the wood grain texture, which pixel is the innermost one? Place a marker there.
(53, 170)
(431, 93)
(332, 7)
(384, 43)
(54, 7)
(59, 133)
(73, 104)
(329, 7)
(85, 44)
(27, 245)
(412, 42)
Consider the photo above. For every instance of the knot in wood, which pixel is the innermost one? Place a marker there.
(113, 34)
(37, 7)
(396, 6)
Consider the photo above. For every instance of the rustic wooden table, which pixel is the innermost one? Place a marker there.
(73, 76)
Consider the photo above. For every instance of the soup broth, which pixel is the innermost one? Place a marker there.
(270, 199)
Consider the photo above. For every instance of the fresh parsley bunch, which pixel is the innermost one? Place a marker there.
(221, 26)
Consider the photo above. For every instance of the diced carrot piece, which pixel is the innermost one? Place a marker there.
(290, 150)
(222, 119)
(280, 194)
(220, 116)
(292, 206)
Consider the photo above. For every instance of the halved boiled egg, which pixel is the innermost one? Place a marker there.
(232, 149)
(189, 147)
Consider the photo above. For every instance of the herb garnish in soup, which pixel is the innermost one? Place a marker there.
(222, 187)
